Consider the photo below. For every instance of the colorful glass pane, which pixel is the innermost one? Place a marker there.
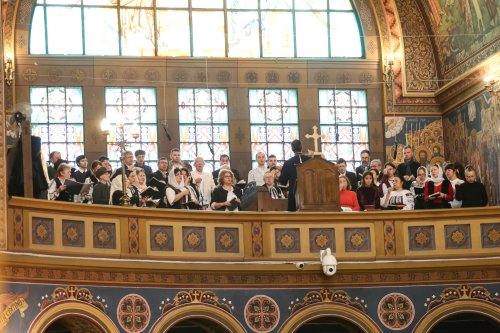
(277, 34)
(56, 96)
(273, 121)
(100, 2)
(137, 31)
(132, 106)
(340, 4)
(276, 4)
(257, 114)
(208, 34)
(360, 116)
(186, 114)
(309, 5)
(242, 4)
(57, 118)
(101, 29)
(327, 115)
(207, 3)
(203, 124)
(203, 114)
(344, 31)
(344, 125)
(343, 115)
(172, 3)
(202, 96)
(37, 36)
(243, 34)
(64, 30)
(309, 24)
(173, 33)
(248, 28)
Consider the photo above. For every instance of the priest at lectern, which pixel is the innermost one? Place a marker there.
(289, 172)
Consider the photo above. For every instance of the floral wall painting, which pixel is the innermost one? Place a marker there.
(472, 137)
(424, 134)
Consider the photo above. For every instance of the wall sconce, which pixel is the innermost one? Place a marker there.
(9, 71)
(388, 71)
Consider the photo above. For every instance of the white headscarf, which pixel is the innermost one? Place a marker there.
(439, 178)
(172, 182)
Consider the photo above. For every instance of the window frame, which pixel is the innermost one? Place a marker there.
(356, 158)
(214, 162)
(266, 124)
(64, 155)
(129, 140)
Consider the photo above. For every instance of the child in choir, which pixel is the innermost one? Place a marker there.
(348, 199)
(397, 197)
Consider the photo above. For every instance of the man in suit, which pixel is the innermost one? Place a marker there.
(289, 173)
(129, 164)
(159, 179)
(224, 160)
(365, 164)
(408, 169)
(342, 165)
(140, 155)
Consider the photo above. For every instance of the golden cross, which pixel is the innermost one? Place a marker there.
(315, 136)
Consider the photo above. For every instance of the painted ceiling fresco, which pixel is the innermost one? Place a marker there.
(463, 29)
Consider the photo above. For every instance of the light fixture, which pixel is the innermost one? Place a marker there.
(105, 127)
(492, 82)
(121, 141)
(9, 71)
(388, 70)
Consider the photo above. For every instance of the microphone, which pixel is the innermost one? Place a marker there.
(166, 132)
(210, 148)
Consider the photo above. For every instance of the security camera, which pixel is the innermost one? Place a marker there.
(328, 261)
(300, 265)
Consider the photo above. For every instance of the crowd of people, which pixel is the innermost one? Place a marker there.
(179, 185)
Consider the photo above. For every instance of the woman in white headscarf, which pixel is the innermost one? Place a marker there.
(176, 194)
(438, 191)
(418, 187)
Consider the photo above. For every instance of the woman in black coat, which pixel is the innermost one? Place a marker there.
(226, 196)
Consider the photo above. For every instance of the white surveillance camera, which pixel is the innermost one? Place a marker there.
(300, 265)
(328, 261)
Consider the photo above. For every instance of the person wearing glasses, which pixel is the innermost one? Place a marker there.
(226, 196)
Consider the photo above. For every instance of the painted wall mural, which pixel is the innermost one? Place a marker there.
(472, 137)
(424, 134)
(267, 310)
(463, 28)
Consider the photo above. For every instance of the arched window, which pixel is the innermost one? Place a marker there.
(344, 125)
(198, 28)
(57, 118)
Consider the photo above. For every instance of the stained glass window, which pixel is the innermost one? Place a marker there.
(135, 109)
(57, 118)
(274, 121)
(344, 125)
(203, 125)
(197, 28)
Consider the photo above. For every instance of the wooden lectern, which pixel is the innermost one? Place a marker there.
(317, 186)
(260, 200)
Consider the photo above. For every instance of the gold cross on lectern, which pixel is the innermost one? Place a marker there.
(315, 136)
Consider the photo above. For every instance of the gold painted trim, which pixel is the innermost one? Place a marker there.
(320, 310)
(69, 308)
(429, 320)
(190, 311)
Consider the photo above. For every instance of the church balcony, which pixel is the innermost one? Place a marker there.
(96, 236)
